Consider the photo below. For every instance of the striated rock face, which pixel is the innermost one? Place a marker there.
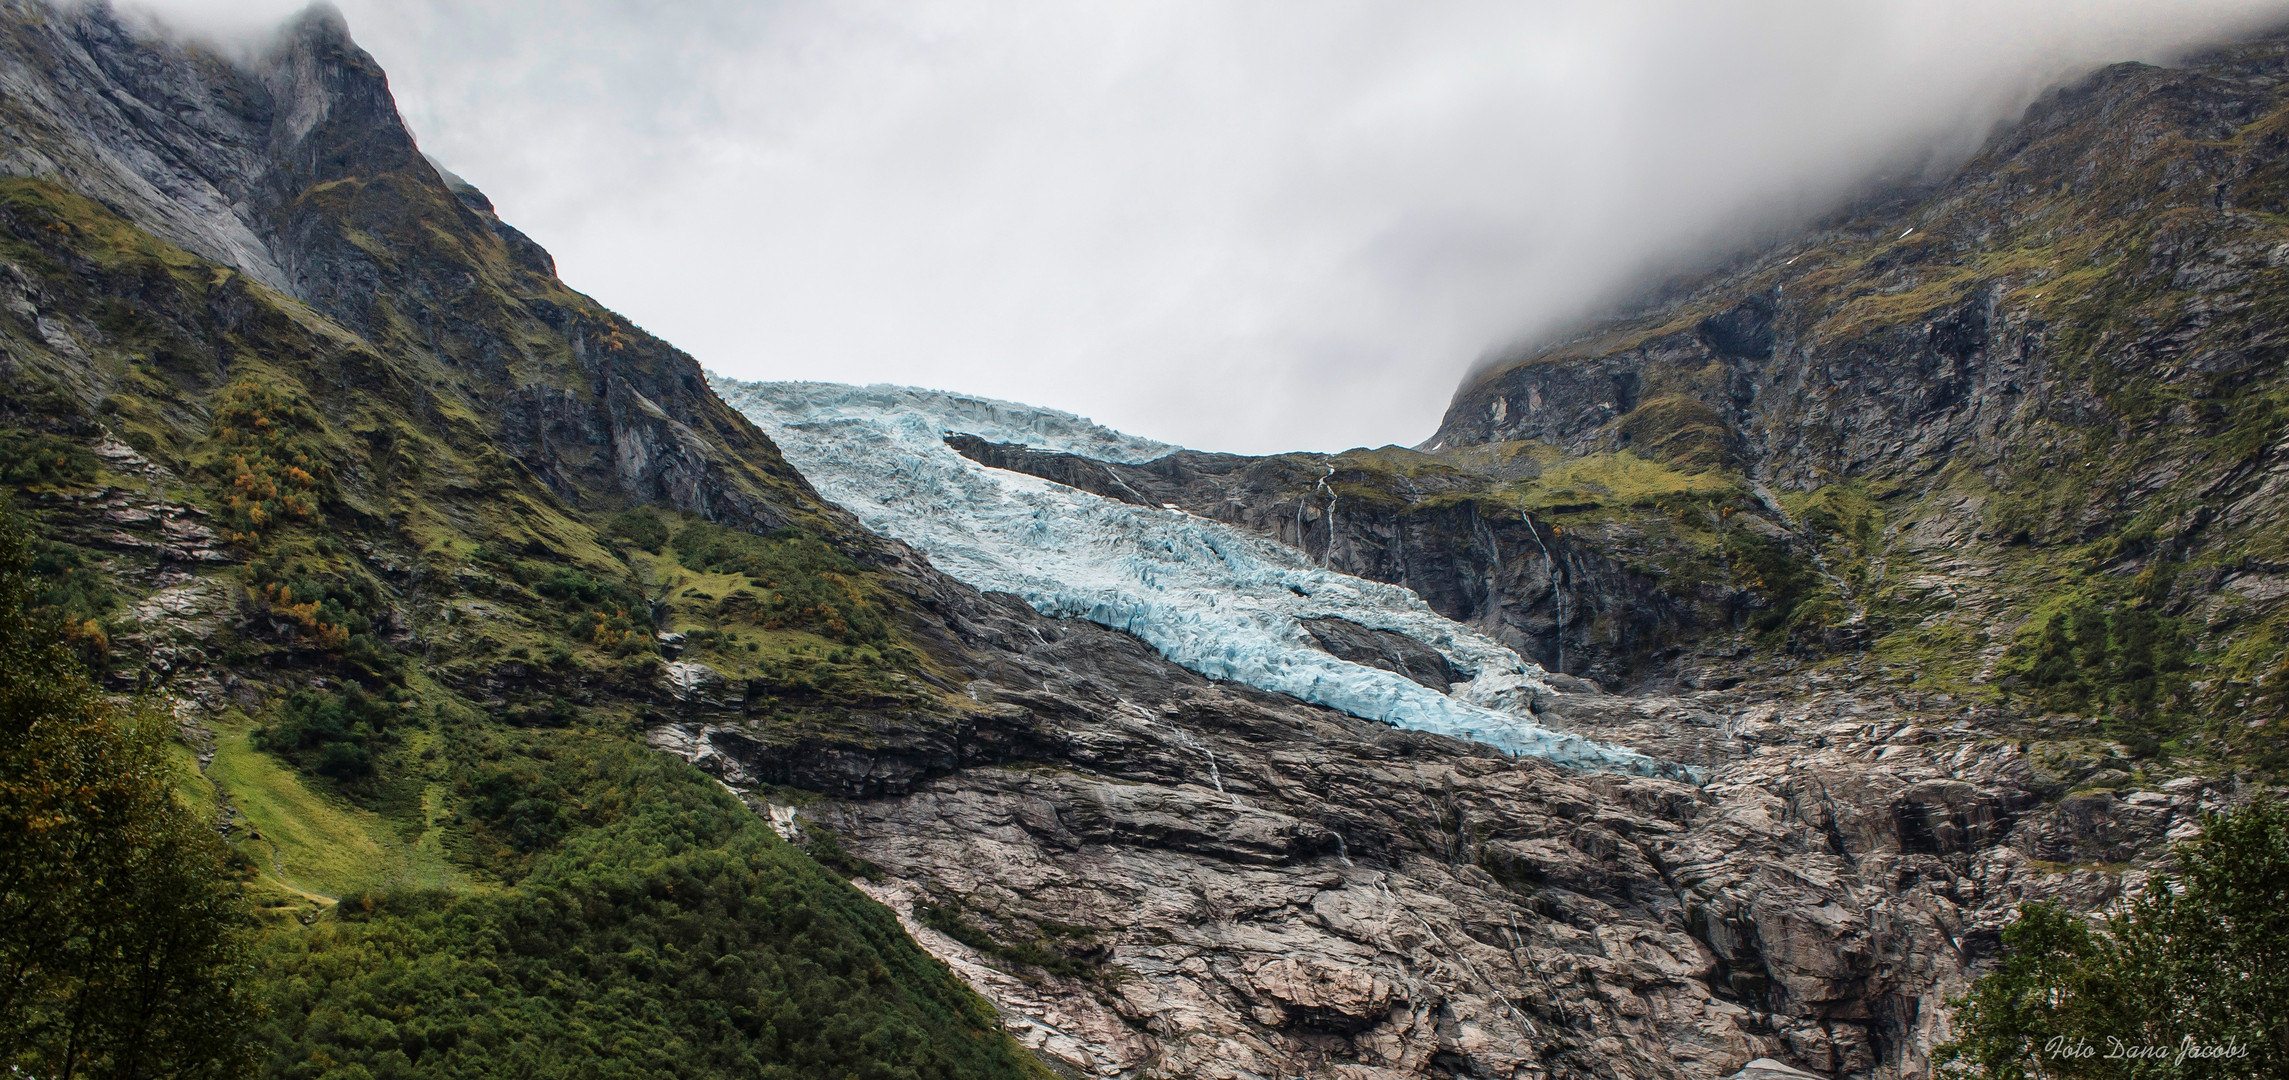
(1398, 653)
(2065, 354)
(1156, 875)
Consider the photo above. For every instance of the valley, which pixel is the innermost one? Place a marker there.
(1711, 687)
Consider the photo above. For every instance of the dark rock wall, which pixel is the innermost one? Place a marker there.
(2115, 235)
(1550, 596)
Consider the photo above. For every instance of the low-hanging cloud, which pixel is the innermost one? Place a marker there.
(1237, 226)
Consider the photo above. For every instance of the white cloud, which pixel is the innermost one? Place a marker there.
(1241, 226)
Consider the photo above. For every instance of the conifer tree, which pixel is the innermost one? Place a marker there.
(2190, 979)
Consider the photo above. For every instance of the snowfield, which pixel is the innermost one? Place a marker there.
(1221, 601)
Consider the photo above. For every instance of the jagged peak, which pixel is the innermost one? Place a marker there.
(209, 146)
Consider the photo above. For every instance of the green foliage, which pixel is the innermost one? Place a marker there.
(641, 526)
(73, 593)
(2124, 662)
(37, 459)
(516, 804)
(1774, 572)
(679, 938)
(611, 615)
(331, 734)
(266, 450)
(627, 917)
(808, 585)
(827, 849)
(69, 583)
(120, 954)
(1680, 431)
(578, 590)
(2270, 702)
(2203, 964)
(329, 611)
(1618, 479)
(1042, 953)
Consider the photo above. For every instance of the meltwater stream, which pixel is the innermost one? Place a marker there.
(1219, 600)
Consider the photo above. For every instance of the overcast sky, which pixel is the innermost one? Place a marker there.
(1235, 225)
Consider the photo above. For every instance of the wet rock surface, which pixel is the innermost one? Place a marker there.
(1153, 874)
(1347, 640)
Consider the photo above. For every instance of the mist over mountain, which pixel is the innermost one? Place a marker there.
(1231, 228)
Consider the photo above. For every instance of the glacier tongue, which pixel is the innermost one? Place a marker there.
(1221, 601)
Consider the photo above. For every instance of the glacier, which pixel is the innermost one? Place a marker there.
(1219, 600)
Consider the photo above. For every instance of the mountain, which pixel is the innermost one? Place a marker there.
(2012, 439)
(2022, 428)
(473, 600)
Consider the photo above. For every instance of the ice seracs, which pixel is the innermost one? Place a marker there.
(1221, 601)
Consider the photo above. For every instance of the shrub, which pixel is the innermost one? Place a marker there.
(807, 584)
(331, 734)
(31, 458)
(2126, 663)
(641, 526)
(268, 455)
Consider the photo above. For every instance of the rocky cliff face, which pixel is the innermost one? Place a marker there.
(2050, 382)
(297, 413)
(1155, 876)
(299, 175)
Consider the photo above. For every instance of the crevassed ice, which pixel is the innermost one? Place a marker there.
(987, 418)
(1221, 601)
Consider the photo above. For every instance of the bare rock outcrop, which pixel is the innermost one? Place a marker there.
(1344, 898)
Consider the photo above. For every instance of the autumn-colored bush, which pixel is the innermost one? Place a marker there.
(279, 600)
(268, 455)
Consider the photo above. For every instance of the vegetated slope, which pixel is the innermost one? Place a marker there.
(322, 450)
(2026, 429)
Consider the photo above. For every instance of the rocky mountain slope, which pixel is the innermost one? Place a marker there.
(1217, 600)
(1477, 553)
(424, 544)
(2026, 425)
(2015, 437)
(323, 453)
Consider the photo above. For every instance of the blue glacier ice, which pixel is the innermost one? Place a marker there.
(1218, 600)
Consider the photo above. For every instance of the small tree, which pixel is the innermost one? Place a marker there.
(119, 949)
(2190, 979)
